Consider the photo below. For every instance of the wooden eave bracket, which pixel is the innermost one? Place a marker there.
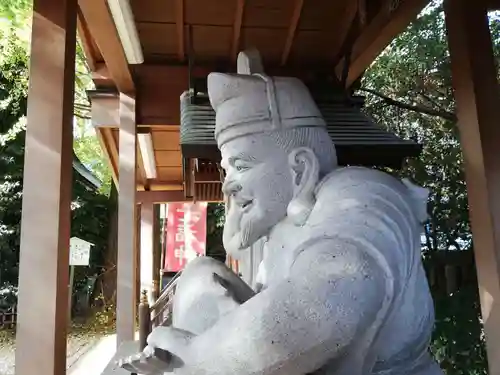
(97, 16)
(377, 34)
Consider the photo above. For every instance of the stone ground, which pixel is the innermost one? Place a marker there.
(79, 343)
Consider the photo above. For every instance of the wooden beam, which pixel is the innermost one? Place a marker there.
(46, 216)
(163, 196)
(238, 20)
(179, 23)
(361, 4)
(102, 27)
(344, 26)
(127, 222)
(104, 110)
(157, 242)
(160, 86)
(113, 149)
(477, 96)
(294, 23)
(101, 76)
(379, 32)
(166, 185)
(109, 150)
(204, 177)
(143, 180)
(493, 4)
(86, 41)
(147, 249)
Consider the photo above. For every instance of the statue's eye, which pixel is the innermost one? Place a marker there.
(240, 166)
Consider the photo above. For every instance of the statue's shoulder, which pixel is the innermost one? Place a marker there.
(366, 184)
(357, 177)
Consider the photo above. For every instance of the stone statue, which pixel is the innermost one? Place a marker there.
(341, 289)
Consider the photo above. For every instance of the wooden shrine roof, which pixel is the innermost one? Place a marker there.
(294, 37)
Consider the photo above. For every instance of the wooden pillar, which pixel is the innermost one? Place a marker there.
(156, 252)
(147, 249)
(127, 255)
(46, 216)
(138, 292)
(478, 109)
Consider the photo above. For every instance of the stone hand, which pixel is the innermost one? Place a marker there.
(166, 349)
(149, 362)
(236, 288)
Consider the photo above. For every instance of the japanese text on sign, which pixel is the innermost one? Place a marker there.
(186, 234)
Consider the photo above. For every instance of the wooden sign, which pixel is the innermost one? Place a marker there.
(186, 233)
(79, 252)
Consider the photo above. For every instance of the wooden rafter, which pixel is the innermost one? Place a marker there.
(377, 34)
(160, 196)
(97, 16)
(344, 25)
(362, 12)
(101, 76)
(166, 185)
(238, 20)
(492, 4)
(110, 148)
(86, 41)
(179, 22)
(294, 23)
(142, 178)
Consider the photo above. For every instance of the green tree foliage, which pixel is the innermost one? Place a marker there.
(16, 15)
(458, 340)
(15, 10)
(215, 224)
(93, 213)
(89, 207)
(89, 151)
(415, 70)
(409, 91)
(13, 81)
(86, 145)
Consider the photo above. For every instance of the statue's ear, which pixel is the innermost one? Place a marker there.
(304, 167)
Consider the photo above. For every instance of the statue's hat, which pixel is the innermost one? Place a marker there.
(251, 102)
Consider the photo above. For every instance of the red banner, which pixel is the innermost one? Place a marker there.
(186, 232)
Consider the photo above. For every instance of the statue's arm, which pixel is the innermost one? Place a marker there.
(333, 295)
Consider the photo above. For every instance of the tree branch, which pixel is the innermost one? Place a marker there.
(428, 238)
(432, 101)
(83, 106)
(455, 244)
(82, 116)
(415, 108)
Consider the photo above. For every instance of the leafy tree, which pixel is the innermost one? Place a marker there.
(15, 10)
(13, 81)
(90, 208)
(17, 17)
(215, 224)
(409, 92)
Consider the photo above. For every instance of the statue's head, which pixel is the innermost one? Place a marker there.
(275, 149)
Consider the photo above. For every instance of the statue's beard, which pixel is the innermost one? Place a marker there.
(244, 227)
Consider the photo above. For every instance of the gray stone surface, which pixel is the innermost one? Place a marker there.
(343, 291)
(126, 349)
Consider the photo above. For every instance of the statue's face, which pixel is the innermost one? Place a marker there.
(258, 187)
